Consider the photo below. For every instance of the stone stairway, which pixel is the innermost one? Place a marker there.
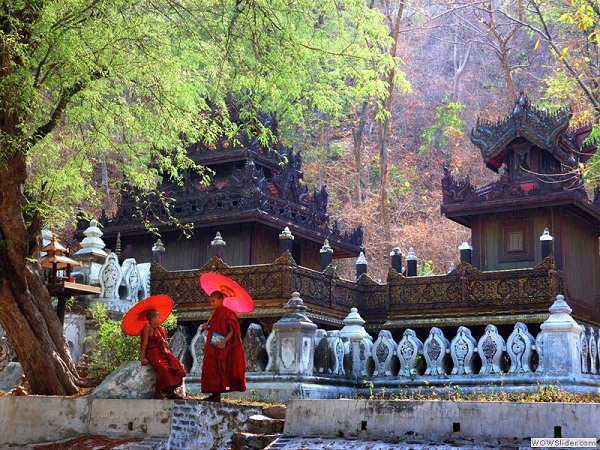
(261, 431)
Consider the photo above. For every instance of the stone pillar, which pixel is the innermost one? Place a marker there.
(326, 255)
(396, 259)
(546, 240)
(286, 239)
(158, 253)
(411, 263)
(218, 246)
(361, 342)
(91, 255)
(295, 340)
(361, 265)
(466, 251)
(561, 351)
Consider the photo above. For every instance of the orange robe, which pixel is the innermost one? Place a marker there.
(223, 369)
(169, 371)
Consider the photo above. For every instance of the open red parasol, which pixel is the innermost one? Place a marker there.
(135, 319)
(236, 297)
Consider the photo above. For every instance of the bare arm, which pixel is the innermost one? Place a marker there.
(144, 343)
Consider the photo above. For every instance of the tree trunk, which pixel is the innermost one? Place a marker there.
(357, 138)
(27, 314)
(385, 131)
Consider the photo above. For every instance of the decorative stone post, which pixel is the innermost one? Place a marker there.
(218, 246)
(411, 263)
(158, 253)
(546, 240)
(466, 251)
(361, 265)
(295, 341)
(326, 255)
(361, 342)
(396, 257)
(286, 239)
(561, 352)
(91, 255)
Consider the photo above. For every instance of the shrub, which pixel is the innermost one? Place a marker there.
(113, 346)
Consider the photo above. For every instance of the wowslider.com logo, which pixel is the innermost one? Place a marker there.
(563, 442)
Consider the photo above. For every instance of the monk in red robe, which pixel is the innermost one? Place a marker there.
(154, 350)
(224, 363)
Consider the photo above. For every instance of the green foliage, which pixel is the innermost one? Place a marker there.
(129, 85)
(113, 346)
(426, 269)
(447, 122)
(336, 152)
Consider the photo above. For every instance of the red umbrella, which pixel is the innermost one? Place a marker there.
(135, 319)
(236, 297)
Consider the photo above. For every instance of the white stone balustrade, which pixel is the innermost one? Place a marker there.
(409, 349)
(383, 352)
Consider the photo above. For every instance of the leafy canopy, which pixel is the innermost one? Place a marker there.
(121, 83)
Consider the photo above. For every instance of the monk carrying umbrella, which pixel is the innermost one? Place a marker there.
(224, 363)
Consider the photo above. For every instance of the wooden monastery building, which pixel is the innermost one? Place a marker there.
(534, 235)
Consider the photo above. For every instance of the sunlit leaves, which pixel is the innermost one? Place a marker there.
(130, 84)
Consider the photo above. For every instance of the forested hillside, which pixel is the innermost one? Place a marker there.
(460, 60)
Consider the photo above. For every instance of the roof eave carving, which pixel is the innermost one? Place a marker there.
(538, 126)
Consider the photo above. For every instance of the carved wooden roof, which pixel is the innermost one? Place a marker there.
(269, 189)
(561, 181)
(546, 130)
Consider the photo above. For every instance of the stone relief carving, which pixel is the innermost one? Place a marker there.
(520, 346)
(490, 349)
(462, 349)
(383, 352)
(255, 349)
(436, 351)
(409, 348)
(197, 349)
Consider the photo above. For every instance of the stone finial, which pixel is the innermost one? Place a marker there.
(218, 246)
(118, 245)
(326, 255)
(396, 259)
(92, 246)
(466, 252)
(361, 259)
(546, 235)
(465, 246)
(295, 309)
(326, 247)
(286, 234)
(546, 240)
(353, 326)
(361, 265)
(286, 239)
(158, 246)
(218, 240)
(411, 263)
(396, 251)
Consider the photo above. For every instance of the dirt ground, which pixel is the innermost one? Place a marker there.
(88, 441)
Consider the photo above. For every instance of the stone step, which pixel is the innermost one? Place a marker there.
(275, 411)
(279, 443)
(245, 440)
(154, 442)
(259, 423)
